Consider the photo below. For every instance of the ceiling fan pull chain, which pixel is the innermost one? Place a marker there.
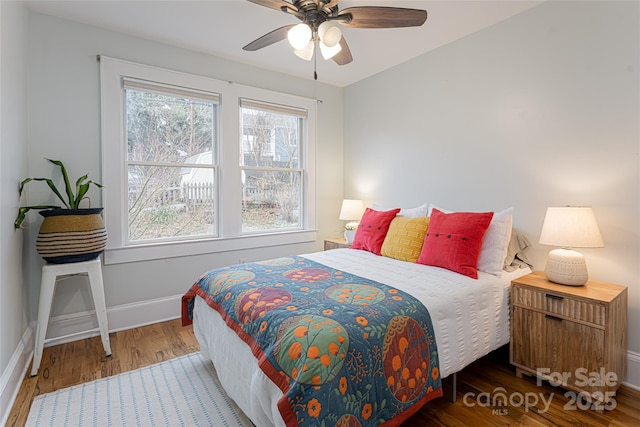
(315, 61)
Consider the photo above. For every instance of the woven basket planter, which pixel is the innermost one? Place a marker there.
(71, 235)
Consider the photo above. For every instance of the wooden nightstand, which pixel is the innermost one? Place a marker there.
(336, 244)
(573, 336)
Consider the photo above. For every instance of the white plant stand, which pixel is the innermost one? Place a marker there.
(52, 273)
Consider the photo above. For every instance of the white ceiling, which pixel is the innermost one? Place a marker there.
(222, 28)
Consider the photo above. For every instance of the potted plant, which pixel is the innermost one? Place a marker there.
(68, 233)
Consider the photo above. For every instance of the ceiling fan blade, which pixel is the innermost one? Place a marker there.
(344, 56)
(383, 17)
(269, 38)
(275, 4)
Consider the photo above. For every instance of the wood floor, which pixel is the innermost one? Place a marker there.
(81, 361)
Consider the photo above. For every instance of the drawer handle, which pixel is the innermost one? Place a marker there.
(556, 297)
(548, 316)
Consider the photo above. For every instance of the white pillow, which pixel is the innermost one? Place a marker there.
(416, 212)
(495, 242)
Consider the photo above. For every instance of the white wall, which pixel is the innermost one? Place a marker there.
(64, 123)
(539, 110)
(13, 141)
(536, 111)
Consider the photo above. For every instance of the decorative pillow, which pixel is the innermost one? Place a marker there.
(372, 230)
(453, 241)
(416, 212)
(405, 238)
(495, 242)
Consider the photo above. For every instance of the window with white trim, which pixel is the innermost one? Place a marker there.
(173, 184)
(171, 163)
(272, 176)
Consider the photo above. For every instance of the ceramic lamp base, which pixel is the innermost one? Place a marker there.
(566, 267)
(349, 235)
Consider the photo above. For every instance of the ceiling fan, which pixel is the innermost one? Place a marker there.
(318, 26)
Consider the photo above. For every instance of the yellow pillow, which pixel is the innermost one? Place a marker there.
(405, 238)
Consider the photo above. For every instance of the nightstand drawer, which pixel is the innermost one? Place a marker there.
(557, 304)
(558, 345)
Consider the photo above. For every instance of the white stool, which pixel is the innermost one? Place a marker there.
(50, 273)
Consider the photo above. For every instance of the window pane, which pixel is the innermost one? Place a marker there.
(271, 200)
(166, 132)
(168, 202)
(270, 139)
(164, 128)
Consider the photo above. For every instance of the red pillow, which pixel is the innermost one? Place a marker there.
(453, 241)
(372, 230)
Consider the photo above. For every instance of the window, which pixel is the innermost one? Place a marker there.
(171, 162)
(173, 184)
(270, 163)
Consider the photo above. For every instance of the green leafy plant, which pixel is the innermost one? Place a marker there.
(72, 201)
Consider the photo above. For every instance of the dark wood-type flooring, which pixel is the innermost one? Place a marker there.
(81, 361)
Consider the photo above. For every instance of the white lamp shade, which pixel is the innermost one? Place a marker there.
(351, 210)
(571, 227)
(322, 28)
(299, 36)
(329, 52)
(307, 52)
(329, 34)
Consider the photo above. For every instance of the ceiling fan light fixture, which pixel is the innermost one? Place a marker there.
(329, 34)
(329, 52)
(299, 36)
(318, 24)
(307, 52)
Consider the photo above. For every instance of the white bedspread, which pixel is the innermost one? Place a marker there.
(470, 318)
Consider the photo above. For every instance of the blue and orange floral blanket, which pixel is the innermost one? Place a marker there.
(344, 350)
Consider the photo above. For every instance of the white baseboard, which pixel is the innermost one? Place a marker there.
(633, 371)
(119, 318)
(128, 316)
(12, 376)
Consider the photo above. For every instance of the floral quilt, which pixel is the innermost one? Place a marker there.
(344, 350)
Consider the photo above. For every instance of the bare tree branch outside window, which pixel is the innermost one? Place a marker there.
(272, 174)
(171, 165)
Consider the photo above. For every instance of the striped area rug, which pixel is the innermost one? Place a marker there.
(179, 392)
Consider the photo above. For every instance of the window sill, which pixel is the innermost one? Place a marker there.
(198, 247)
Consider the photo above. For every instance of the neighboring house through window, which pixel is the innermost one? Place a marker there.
(171, 136)
(272, 175)
(173, 183)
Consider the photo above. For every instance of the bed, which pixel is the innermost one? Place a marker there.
(466, 318)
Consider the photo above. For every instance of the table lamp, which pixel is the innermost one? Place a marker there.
(352, 211)
(569, 227)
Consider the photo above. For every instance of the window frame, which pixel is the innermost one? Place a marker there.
(163, 89)
(299, 168)
(230, 236)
